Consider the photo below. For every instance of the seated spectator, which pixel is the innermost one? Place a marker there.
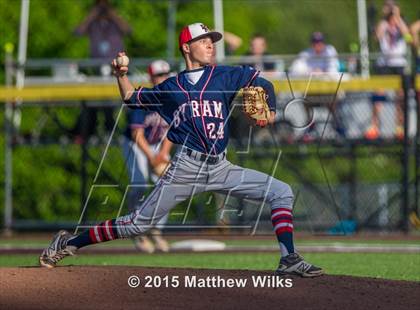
(258, 49)
(320, 57)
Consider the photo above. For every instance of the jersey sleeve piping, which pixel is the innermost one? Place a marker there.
(139, 103)
(253, 78)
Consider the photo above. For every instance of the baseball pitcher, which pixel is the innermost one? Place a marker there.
(196, 104)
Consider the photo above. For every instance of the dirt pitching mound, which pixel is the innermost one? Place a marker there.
(79, 287)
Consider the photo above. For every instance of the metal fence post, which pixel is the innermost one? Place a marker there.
(353, 182)
(417, 135)
(417, 152)
(8, 146)
(84, 158)
(405, 182)
(171, 29)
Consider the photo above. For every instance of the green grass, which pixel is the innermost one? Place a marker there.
(384, 265)
(240, 242)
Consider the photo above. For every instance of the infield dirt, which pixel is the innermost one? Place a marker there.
(89, 287)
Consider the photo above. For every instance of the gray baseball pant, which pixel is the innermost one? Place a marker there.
(187, 175)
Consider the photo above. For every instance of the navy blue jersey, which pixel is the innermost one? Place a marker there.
(154, 126)
(198, 114)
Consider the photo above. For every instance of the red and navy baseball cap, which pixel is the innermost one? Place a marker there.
(159, 67)
(196, 31)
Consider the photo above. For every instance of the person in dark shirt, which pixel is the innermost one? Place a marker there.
(105, 30)
(258, 49)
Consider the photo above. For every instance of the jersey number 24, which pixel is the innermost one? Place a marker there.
(212, 133)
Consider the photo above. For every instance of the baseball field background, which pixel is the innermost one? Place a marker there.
(356, 211)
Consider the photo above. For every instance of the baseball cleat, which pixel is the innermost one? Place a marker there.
(161, 244)
(143, 244)
(57, 250)
(293, 264)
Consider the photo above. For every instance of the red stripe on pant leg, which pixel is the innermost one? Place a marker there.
(92, 235)
(111, 229)
(284, 229)
(281, 215)
(282, 221)
(101, 237)
(280, 209)
(108, 230)
(103, 231)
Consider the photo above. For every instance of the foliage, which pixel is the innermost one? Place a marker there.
(286, 23)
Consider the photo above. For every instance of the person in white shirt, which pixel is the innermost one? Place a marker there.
(392, 34)
(319, 58)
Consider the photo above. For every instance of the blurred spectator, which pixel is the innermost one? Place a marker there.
(233, 42)
(145, 146)
(320, 57)
(392, 33)
(105, 30)
(415, 32)
(258, 49)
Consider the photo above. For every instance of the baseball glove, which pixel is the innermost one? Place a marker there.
(255, 103)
